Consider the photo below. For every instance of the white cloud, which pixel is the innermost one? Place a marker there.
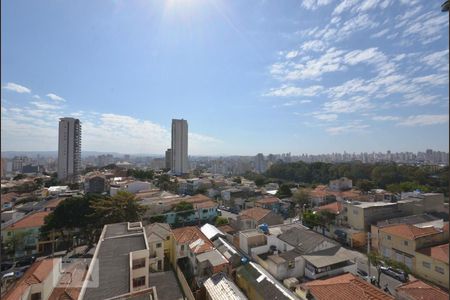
(434, 79)
(291, 54)
(45, 106)
(289, 91)
(36, 97)
(348, 106)
(426, 28)
(424, 120)
(326, 117)
(290, 103)
(385, 118)
(305, 101)
(55, 97)
(315, 4)
(345, 5)
(380, 33)
(16, 88)
(313, 45)
(437, 60)
(336, 130)
(418, 99)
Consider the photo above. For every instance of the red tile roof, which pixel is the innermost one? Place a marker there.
(408, 231)
(255, 213)
(8, 197)
(437, 252)
(345, 287)
(190, 234)
(268, 200)
(31, 221)
(205, 204)
(419, 290)
(335, 207)
(226, 228)
(37, 273)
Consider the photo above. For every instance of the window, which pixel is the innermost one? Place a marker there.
(439, 269)
(291, 264)
(405, 243)
(388, 237)
(138, 263)
(137, 282)
(426, 264)
(158, 245)
(168, 238)
(182, 247)
(36, 296)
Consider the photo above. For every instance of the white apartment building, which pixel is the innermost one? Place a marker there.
(180, 164)
(69, 149)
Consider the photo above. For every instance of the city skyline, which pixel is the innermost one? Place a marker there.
(295, 78)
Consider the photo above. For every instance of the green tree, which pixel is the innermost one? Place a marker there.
(221, 221)
(310, 219)
(19, 176)
(284, 191)
(122, 207)
(365, 185)
(183, 205)
(260, 180)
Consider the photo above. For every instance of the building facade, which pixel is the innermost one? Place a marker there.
(69, 149)
(180, 164)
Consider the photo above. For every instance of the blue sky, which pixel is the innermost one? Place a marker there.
(313, 76)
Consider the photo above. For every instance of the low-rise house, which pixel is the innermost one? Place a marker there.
(419, 290)
(342, 287)
(95, 183)
(293, 250)
(421, 220)
(258, 284)
(341, 184)
(252, 217)
(360, 215)
(159, 243)
(400, 242)
(219, 287)
(120, 266)
(8, 199)
(27, 229)
(271, 203)
(56, 190)
(432, 264)
(49, 279)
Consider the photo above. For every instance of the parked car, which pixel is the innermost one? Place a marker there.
(363, 274)
(25, 261)
(395, 273)
(6, 265)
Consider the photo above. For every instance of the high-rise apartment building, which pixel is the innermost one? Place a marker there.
(260, 163)
(69, 149)
(169, 159)
(180, 164)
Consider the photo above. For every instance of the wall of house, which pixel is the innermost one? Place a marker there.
(141, 271)
(430, 273)
(247, 242)
(184, 284)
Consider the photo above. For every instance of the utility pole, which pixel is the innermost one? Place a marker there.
(368, 253)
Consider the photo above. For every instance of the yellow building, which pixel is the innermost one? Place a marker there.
(400, 242)
(432, 264)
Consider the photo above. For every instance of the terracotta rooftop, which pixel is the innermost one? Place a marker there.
(419, 290)
(408, 231)
(37, 273)
(345, 287)
(31, 221)
(335, 207)
(8, 197)
(226, 228)
(205, 204)
(255, 213)
(191, 234)
(437, 252)
(268, 200)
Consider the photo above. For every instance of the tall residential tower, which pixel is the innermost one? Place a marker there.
(69, 149)
(180, 164)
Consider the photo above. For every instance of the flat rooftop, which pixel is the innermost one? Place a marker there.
(114, 262)
(166, 285)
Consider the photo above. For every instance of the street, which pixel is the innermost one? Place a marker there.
(384, 279)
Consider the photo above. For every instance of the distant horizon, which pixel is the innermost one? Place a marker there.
(248, 76)
(93, 152)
